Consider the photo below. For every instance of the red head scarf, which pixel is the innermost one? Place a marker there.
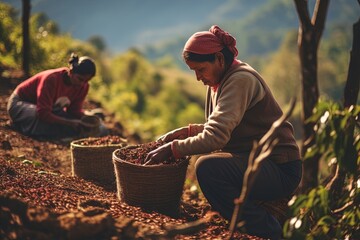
(212, 41)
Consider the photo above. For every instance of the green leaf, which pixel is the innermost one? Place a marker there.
(311, 152)
(326, 220)
(324, 199)
(299, 203)
(37, 164)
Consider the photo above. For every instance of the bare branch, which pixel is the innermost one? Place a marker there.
(343, 208)
(189, 228)
(170, 231)
(303, 13)
(319, 17)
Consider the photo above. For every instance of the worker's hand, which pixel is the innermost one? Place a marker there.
(160, 154)
(62, 102)
(180, 133)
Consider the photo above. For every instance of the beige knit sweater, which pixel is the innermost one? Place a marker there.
(240, 111)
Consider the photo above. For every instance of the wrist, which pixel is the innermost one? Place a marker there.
(174, 151)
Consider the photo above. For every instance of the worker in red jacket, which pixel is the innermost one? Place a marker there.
(50, 104)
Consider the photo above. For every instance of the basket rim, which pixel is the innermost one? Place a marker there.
(76, 143)
(119, 160)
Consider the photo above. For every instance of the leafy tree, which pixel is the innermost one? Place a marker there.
(98, 42)
(10, 36)
(143, 99)
(322, 213)
(281, 71)
(191, 114)
(334, 58)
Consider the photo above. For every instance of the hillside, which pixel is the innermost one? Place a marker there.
(40, 199)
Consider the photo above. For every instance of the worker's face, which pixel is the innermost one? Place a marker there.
(210, 73)
(79, 79)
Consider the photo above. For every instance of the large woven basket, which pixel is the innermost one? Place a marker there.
(152, 187)
(94, 162)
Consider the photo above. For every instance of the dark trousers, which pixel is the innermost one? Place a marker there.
(220, 176)
(24, 117)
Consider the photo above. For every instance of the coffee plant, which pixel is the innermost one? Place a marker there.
(321, 214)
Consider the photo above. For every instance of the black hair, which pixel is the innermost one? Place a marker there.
(190, 56)
(83, 65)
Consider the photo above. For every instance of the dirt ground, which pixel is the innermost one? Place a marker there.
(40, 199)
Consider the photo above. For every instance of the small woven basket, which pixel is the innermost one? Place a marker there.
(152, 187)
(94, 162)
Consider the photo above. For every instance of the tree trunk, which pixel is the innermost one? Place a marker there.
(26, 6)
(310, 32)
(310, 95)
(351, 91)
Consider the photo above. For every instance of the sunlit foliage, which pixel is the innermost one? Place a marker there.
(143, 100)
(10, 36)
(318, 214)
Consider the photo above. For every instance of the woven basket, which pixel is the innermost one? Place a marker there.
(94, 162)
(152, 187)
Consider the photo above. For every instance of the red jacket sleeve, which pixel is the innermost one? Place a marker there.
(46, 92)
